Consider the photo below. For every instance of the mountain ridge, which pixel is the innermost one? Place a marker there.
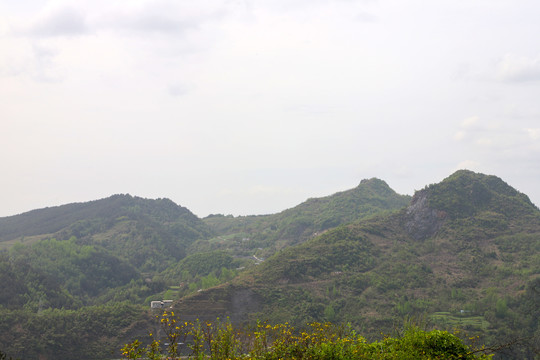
(53, 219)
(309, 218)
(477, 268)
(422, 259)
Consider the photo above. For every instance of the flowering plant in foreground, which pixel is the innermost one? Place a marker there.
(220, 340)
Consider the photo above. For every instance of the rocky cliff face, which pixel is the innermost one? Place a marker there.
(421, 221)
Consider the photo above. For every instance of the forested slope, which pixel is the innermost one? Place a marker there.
(461, 253)
(78, 277)
(269, 233)
(464, 253)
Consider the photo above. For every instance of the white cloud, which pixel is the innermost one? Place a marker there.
(162, 17)
(534, 133)
(148, 22)
(496, 146)
(510, 68)
(64, 21)
(467, 127)
(179, 89)
(366, 17)
(470, 121)
(460, 135)
(485, 141)
(45, 69)
(514, 68)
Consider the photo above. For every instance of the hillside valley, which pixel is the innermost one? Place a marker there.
(461, 253)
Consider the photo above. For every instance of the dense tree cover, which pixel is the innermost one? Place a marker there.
(87, 333)
(121, 243)
(203, 270)
(61, 274)
(466, 193)
(148, 234)
(325, 256)
(201, 264)
(82, 270)
(53, 219)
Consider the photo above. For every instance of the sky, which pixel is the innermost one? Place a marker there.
(253, 106)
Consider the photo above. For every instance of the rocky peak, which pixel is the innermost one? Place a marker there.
(422, 221)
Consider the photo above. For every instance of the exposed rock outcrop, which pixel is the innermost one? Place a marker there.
(421, 221)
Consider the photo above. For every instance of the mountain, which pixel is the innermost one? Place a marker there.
(92, 253)
(78, 272)
(460, 253)
(53, 219)
(269, 233)
(74, 277)
(148, 234)
(465, 252)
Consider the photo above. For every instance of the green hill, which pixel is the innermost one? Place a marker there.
(78, 275)
(95, 252)
(53, 219)
(268, 233)
(461, 253)
(148, 234)
(465, 253)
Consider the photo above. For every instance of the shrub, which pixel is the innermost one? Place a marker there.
(326, 341)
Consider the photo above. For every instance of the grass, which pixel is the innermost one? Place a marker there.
(450, 320)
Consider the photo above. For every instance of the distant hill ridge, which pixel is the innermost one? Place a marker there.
(463, 195)
(466, 193)
(369, 197)
(313, 216)
(52, 219)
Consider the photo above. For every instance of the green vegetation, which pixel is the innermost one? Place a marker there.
(464, 253)
(220, 340)
(85, 279)
(459, 320)
(270, 233)
(375, 271)
(87, 333)
(148, 234)
(103, 213)
(466, 193)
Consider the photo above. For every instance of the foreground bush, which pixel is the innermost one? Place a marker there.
(220, 340)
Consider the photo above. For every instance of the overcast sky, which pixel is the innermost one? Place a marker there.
(251, 107)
